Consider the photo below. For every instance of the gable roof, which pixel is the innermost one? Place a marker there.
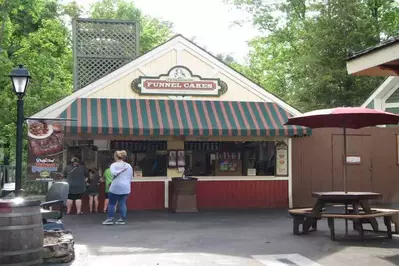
(55, 109)
(381, 45)
(389, 84)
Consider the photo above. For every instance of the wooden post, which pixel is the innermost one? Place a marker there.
(332, 229)
(395, 221)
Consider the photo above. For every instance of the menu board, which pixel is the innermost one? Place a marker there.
(281, 159)
(229, 162)
(45, 150)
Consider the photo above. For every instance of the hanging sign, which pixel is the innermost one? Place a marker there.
(45, 149)
(353, 159)
(179, 81)
(281, 159)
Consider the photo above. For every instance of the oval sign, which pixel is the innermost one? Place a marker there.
(44, 174)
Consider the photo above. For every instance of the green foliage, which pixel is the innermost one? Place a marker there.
(301, 53)
(226, 58)
(36, 33)
(33, 35)
(153, 31)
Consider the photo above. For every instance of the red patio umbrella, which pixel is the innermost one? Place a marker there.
(345, 117)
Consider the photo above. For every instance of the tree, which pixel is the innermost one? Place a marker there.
(33, 34)
(301, 53)
(153, 31)
(226, 58)
(36, 33)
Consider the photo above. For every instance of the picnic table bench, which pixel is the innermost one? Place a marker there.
(359, 217)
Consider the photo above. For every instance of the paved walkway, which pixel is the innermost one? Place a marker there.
(253, 238)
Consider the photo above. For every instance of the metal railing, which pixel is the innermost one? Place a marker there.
(7, 174)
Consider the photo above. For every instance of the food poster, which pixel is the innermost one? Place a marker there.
(45, 150)
(181, 159)
(281, 159)
(172, 159)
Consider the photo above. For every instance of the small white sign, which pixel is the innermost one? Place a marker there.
(353, 159)
(251, 172)
(138, 174)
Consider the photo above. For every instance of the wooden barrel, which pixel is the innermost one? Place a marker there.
(21, 232)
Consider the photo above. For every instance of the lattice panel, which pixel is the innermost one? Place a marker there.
(102, 46)
(92, 69)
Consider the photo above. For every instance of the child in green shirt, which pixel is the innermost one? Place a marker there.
(107, 178)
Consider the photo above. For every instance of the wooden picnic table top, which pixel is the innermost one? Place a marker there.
(341, 195)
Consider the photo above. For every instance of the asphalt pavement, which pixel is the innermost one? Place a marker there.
(250, 237)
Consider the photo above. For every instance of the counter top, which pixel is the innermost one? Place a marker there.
(212, 178)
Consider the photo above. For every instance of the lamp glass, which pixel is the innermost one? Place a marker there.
(20, 84)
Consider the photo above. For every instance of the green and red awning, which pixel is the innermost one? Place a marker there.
(149, 117)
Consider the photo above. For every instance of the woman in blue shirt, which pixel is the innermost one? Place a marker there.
(119, 190)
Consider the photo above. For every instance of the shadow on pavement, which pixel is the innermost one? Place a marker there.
(239, 234)
(393, 259)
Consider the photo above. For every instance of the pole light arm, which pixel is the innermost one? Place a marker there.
(53, 119)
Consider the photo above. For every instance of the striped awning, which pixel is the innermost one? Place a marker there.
(149, 117)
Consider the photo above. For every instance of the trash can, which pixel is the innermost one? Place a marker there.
(184, 195)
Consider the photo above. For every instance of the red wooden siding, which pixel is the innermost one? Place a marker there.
(144, 196)
(242, 194)
(147, 196)
(210, 194)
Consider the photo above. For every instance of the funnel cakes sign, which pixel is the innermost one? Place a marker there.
(179, 81)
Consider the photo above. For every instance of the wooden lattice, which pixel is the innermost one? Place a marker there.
(102, 46)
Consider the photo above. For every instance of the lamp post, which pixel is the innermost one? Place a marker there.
(20, 79)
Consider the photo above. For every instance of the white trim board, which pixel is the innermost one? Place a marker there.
(214, 178)
(373, 59)
(390, 84)
(178, 42)
(391, 105)
(290, 199)
(390, 92)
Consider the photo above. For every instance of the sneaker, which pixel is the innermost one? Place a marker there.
(109, 221)
(120, 221)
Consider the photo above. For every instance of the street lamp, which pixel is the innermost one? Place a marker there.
(20, 79)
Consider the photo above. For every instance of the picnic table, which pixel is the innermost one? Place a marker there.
(356, 208)
(358, 201)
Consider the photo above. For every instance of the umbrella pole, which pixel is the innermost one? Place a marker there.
(345, 177)
(345, 168)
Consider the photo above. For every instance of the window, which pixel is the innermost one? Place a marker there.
(151, 163)
(150, 157)
(261, 157)
(230, 158)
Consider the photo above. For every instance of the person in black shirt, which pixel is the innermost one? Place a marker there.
(93, 189)
(75, 174)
